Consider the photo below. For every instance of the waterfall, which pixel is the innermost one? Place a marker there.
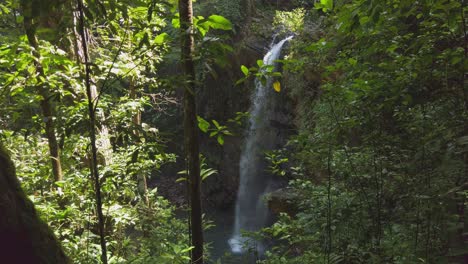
(251, 211)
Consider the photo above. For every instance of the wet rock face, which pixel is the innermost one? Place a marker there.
(220, 190)
(220, 99)
(283, 201)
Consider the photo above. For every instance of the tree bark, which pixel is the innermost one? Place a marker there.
(249, 9)
(136, 119)
(92, 131)
(24, 238)
(47, 107)
(102, 138)
(191, 129)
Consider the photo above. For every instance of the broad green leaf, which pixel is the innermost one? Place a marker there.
(176, 22)
(220, 140)
(324, 5)
(328, 4)
(203, 124)
(219, 22)
(245, 70)
(161, 38)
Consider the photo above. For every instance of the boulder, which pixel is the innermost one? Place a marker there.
(283, 201)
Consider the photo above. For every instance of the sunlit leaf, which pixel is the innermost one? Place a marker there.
(181, 179)
(219, 22)
(161, 38)
(245, 70)
(216, 124)
(277, 86)
(203, 124)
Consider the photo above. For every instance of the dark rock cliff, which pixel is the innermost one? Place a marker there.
(218, 98)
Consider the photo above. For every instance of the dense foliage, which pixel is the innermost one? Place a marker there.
(126, 44)
(379, 163)
(377, 166)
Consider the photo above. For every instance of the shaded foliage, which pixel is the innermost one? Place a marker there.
(379, 158)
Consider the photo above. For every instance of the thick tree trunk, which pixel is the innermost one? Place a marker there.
(191, 128)
(47, 107)
(24, 238)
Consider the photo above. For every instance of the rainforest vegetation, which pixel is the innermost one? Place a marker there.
(123, 126)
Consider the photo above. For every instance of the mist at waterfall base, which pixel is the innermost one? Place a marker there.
(251, 212)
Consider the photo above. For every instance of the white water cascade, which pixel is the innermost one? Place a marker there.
(251, 211)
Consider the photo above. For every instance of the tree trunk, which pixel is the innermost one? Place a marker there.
(102, 139)
(249, 9)
(24, 238)
(92, 131)
(136, 119)
(47, 107)
(191, 128)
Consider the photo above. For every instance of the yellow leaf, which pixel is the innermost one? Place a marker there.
(277, 86)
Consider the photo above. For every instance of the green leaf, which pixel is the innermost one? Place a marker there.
(276, 74)
(324, 5)
(241, 80)
(328, 4)
(203, 124)
(219, 22)
(19, 19)
(205, 173)
(220, 140)
(176, 22)
(227, 133)
(144, 41)
(161, 38)
(181, 179)
(245, 70)
(216, 124)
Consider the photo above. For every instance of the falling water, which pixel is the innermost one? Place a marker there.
(251, 211)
